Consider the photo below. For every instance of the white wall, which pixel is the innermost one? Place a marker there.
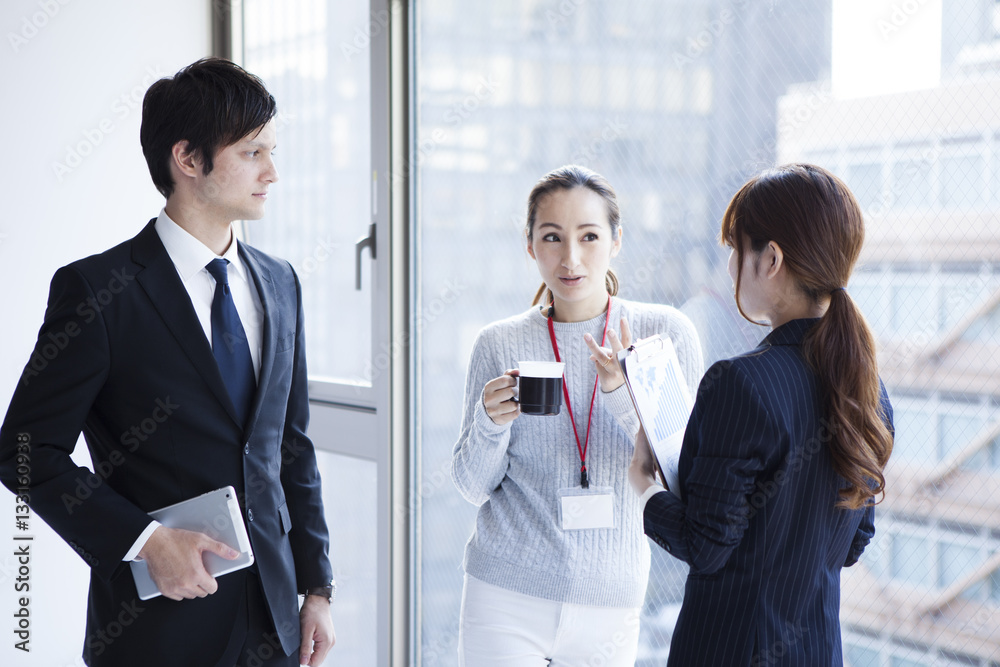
(73, 73)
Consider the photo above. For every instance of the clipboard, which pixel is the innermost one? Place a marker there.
(217, 514)
(661, 398)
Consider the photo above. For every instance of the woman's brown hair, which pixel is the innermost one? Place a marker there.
(816, 221)
(566, 178)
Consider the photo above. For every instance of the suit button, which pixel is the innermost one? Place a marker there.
(246, 448)
(249, 514)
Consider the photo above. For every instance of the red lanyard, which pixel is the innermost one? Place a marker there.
(584, 482)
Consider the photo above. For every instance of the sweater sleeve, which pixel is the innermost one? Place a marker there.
(619, 404)
(480, 458)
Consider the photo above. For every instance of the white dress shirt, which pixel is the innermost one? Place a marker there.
(190, 257)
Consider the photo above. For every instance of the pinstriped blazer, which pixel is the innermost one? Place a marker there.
(757, 522)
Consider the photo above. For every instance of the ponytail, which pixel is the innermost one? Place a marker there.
(860, 442)
(544, 295)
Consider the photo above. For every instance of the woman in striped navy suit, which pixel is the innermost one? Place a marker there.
(784, 452)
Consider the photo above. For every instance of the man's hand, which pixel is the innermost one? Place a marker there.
(174, 558)
(317, 631)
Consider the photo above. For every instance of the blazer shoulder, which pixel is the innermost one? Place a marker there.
(120, 258)
(765, 370)
(281, 269)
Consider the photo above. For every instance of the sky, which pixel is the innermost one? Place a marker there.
(885, 46)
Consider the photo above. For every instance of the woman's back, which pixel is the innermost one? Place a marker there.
(763, 535)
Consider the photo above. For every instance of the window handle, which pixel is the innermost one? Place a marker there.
(362, 243)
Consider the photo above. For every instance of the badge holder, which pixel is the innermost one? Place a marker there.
(587, 509)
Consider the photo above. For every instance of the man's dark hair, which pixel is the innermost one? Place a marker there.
(211, 104)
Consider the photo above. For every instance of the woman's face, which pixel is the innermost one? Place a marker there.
(572, 244)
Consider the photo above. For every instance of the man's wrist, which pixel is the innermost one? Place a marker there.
(328, 592)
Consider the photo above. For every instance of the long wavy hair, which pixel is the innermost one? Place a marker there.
(568, 177)
(816, 221)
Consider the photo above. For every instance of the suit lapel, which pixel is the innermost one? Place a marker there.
(267, 291)
(161, 283)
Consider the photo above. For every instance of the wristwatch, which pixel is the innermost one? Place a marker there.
(329, 592)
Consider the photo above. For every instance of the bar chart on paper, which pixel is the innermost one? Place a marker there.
(661, 399)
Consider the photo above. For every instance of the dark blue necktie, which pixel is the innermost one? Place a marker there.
(229, 342)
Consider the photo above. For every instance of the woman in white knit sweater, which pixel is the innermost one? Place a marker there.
(538, 593)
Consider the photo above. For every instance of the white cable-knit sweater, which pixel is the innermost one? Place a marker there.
(514, 472)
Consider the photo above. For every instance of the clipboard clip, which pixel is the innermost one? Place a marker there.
(647, 348)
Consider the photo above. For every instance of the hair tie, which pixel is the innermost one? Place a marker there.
(837, 288)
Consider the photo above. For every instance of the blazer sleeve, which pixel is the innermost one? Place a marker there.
(48, 411)
(864, 535)
(730, 439)
(310, 539)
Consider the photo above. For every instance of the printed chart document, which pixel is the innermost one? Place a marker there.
(662, 400)
(217, 514)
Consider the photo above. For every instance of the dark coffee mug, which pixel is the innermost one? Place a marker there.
(540, 387)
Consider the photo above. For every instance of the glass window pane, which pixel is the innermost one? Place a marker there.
(870, 295)
(962, 182)
(678, 104)
(916, 437)
(859, 656)
(912, 560)
(903, 662)
(958, 560)
(865, 181)
(957, 432)
(913, 308)
(350, 498)
(911, 184)
(878, 554)
(961, 297)
(307, 53)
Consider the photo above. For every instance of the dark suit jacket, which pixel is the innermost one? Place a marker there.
(122, 357)
(757, 522)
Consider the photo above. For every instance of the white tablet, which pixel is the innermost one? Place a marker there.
(217, 514)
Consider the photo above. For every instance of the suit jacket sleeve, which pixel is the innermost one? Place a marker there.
(864, 535)
(310, 540)
(730, 439)
(49, 409)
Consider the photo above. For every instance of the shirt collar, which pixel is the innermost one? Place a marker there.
(190, 255)
(790, 333)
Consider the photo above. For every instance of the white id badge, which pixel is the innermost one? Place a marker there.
(585, 509)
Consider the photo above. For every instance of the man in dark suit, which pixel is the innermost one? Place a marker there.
(180, 356)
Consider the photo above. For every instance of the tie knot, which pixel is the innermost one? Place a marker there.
(219, 270)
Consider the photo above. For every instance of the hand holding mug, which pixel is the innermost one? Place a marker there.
(498, 398)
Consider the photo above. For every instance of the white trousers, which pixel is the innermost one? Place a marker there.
(501, 628)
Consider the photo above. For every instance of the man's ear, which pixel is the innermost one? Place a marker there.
(773, 258)
(187, 162)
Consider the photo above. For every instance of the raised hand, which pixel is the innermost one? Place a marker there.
(606, 359)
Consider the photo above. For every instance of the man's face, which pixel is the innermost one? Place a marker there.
(237, 186)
